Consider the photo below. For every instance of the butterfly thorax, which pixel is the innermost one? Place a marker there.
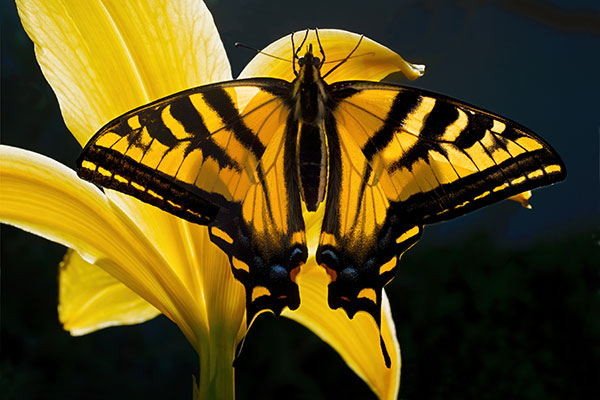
(309, 92)
(309, 98)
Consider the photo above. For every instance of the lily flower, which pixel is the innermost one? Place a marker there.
(127, 261)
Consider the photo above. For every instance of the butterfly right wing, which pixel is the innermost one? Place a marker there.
(400, 158)
(215, 155)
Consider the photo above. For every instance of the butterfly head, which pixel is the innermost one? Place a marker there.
(310, 66)
(308, 63)
(309, 59)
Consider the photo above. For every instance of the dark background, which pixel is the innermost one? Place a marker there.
(502, 303)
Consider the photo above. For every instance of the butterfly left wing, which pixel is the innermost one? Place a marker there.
(400, 158)
(216, 155)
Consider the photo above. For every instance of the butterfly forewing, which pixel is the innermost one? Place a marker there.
(214, 155)
(438, 158)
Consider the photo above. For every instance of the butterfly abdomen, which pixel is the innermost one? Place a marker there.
(312, 165)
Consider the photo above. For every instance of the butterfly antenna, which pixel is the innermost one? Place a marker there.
(346, 58)
(320, 47)
(295, 52)
(245, 46)
(370, 53)
(294, 55)
(302, 44)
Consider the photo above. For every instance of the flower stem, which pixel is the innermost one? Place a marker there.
(217, 375)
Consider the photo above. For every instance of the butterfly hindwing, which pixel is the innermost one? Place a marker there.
(407, 158)
(215, 155)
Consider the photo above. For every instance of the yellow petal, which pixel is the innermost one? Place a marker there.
(90, 299)
(170, 235)
(103, 58)
(357, 339)
(522, 198)
(371, 61)
(44, 197)
(223, 294)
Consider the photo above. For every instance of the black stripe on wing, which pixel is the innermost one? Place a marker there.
(403, 104)
(222, 103)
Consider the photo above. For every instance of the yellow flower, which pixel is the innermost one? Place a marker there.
(130, 261)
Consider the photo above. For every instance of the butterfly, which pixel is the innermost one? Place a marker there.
(246, 156)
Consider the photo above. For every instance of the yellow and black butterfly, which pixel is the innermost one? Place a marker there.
(244, 156)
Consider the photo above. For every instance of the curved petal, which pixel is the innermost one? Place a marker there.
(44, 197)
(103, 58)
(357, 339)
(371, 61)
(90, 299)
(223, 294)
(170, 235)
(522, 198)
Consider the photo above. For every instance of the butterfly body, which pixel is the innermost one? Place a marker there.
(243, 157)
(309, 97)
